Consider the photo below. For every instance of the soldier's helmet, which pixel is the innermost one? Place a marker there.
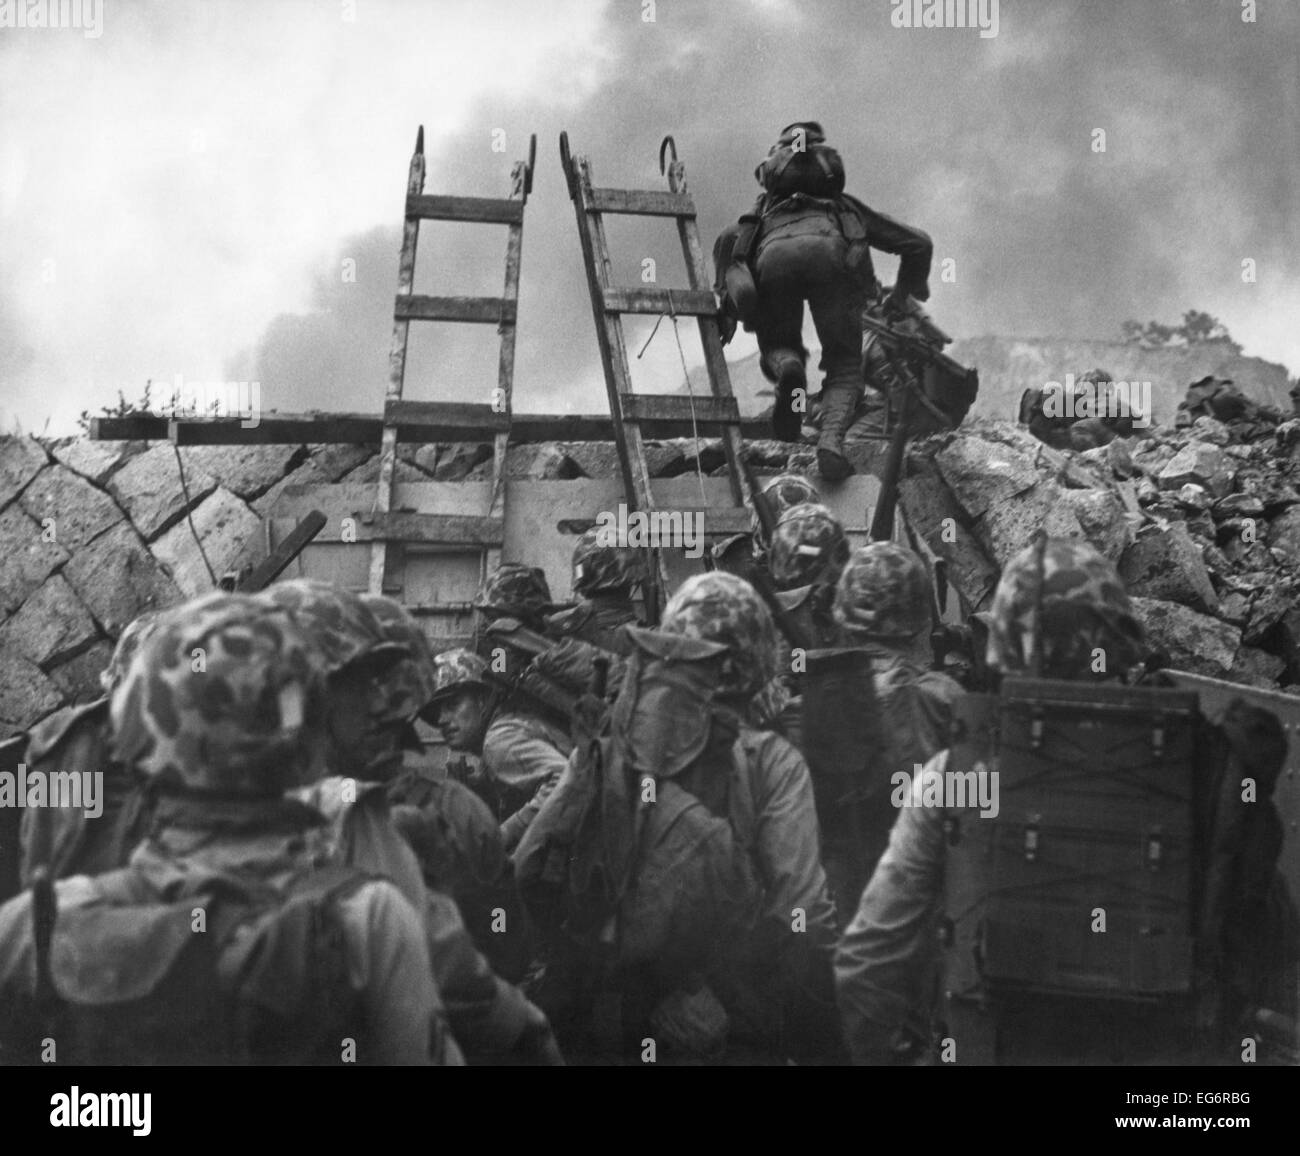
(337, 620)
(782, 492)
(457, 670)
(884, 593)
(808, 547)
(410, 683)
(721, 607)
(225, 695)
(1082, 608)
(128, 642)
(514, 590)
(602, 568)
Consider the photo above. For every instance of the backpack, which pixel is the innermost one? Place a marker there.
(130, 982)
(802, 162)
(633, 854)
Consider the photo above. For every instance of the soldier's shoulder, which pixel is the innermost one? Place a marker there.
(64, 724)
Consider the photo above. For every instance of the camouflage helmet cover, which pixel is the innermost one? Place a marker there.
(337, 620)
(721, 607)
(456, 670)
(225, 695)
(598, 566)
(884, 593)
(128, 642)
(808, 547)
(410, 683)
(1084, 608)
(516, 590)
(782, 492)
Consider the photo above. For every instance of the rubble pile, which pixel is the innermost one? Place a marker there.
(1201, 518)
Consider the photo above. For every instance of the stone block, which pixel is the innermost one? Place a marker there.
(1206, 465)
(26, 695)
(543, 460)
(326, 465)
(223, 523)
(26, 558)
(1163, 562)
(95, 461)
(246, 471)
(1193, 641)
(118, 579)
(51, 625)
(983, 474)
(78, 511)
(1101, 515)
(21, 459)
(149, 488)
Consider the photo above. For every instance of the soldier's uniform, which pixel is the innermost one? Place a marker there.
(778, 979)
(77, 740)
(125, 976)
(814, 245)
(603, 578)
(489, 1017)
(883, 604)
(1068, 603)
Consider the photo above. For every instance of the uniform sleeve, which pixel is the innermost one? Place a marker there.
(886, 954)
(405, 1020)
(516, 757)
(913, 247)
(787, 845)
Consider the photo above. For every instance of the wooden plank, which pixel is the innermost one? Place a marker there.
(682, 302)
(719, 521)
(641, 202)
(485, 210)
(279, 558)
(447, 415)
(397, 363)
(367, 429)
(429, 529)
(472, 310)
(655, 407)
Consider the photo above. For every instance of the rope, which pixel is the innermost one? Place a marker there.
(690, 390)
(189, 517)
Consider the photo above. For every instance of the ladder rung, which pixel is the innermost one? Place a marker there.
(683, 302)
(487, 210)
(481, 310)
(642, 202)
(470, 421)
(723, 520)
(661, 407)
(432, 529)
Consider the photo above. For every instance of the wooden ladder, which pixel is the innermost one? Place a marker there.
(635, 415)
(453, 421)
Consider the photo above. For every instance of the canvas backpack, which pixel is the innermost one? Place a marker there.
(802, 162)
(129, 980)
(633, 853)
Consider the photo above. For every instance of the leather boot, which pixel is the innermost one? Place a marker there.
(787, 423)
(838, 403)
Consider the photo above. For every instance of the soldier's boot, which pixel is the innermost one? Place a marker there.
(839, 400)
(787, 370)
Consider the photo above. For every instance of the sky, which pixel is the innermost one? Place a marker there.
(212, 191)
